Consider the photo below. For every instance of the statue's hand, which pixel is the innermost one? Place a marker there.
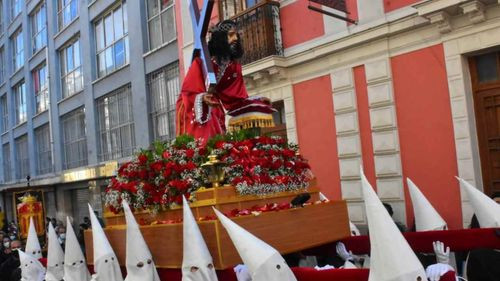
(209, 99)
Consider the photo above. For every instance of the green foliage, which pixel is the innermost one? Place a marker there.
(182, 141)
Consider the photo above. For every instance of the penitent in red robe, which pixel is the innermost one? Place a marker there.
(230, 91)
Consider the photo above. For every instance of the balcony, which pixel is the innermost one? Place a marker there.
(260, 28)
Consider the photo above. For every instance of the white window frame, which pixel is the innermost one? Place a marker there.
(63, 6)
(4, 103)
(21, 104)
(39, 27)
(43, 150)
(158, 17)
(2, 65)
(42, 93)
(18, 54)
(74, 141)
(116, 124)
(71, 79)
(163, 87)
(16, 7)
(109, 47)
(7, 170)
(22, 157)
(1, 17)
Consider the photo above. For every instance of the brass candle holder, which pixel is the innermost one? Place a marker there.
(215, 169)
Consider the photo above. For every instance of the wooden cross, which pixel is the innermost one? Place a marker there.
(200, 28)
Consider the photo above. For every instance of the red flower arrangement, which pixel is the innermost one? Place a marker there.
(263, 165)
(160, 176)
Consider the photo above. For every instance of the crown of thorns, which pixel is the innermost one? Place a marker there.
(225, 26)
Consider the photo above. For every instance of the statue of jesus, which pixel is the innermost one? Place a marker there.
(200, 112)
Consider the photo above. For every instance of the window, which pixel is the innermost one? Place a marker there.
(2, 64)
(116, 124)
(39, 28)
(41, 88)
(18, 49)
(229, 8)
(7, 176)
(71, 70)
(5, 113)
(111, 33)
(161, 22)
(67, 12)
(487, 68)
(74, 139)
(20, 97)
(22, 159)
(16, 7)
(43, 150)
(163, 88)
(1, 17)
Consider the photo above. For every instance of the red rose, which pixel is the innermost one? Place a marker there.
(190, 153)
(143, 174)
(156, 166)
(142, 159)
(288, 153)
(219, 145)
(165, 154)
(123, 167)
(178, 199)
(190, 166)
(284, 206)
(166, 173)
(234, 212)
(202, 151)
(148, 187)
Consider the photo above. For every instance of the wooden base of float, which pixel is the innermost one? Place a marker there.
(287, 230)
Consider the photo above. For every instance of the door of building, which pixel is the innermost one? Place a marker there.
(80, 199)
(485, 74)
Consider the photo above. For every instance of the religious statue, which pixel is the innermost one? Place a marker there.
(201, 108)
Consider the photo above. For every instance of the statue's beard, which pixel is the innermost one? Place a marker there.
(236, 50)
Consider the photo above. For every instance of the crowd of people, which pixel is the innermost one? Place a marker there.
(11, 243)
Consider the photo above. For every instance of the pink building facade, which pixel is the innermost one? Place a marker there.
(412, 90)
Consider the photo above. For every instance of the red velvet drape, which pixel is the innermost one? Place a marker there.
(457, 240)
(302, 274)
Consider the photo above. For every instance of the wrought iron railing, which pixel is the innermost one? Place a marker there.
(260, 31)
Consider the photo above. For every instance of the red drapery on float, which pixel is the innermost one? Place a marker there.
(301, 273)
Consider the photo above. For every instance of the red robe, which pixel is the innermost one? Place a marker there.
(230, 91)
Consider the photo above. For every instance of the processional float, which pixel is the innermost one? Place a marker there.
(269, 216)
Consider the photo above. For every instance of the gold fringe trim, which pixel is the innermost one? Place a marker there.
(251, 121)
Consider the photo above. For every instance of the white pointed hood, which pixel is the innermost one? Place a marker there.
(195, 250)
(75, 267)
(33, 244)
(426, 217)
(139, 261)
(31, 268)
(322, 197)
(55, 257)
(392, 259)
(263, 261)
(354, 229)
(105, 262)
(486, 209)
